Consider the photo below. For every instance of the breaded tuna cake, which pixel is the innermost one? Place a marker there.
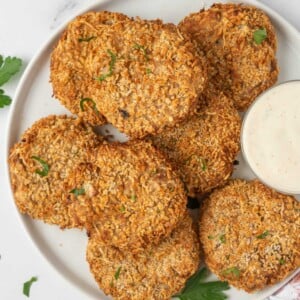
(40, 161)
(142, 76)
(204, 147)
(158, 273)
(129, 195)
(239, 43)
(70, 82)
(250, 234)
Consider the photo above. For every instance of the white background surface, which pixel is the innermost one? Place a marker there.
(24, 27)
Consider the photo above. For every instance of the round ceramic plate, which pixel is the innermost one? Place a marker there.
(65, 250)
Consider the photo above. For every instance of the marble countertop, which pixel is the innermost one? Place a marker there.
(25, 26)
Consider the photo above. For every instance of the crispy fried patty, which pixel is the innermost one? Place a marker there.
(203, 148)
(250, 234)
(142, 76)
(131, 197)
(157, 273)
(61, 142)
(238, 66)
(71, 85)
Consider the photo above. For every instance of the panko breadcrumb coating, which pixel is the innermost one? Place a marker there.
(142, 76)
(68, 75)
(250, 234)
(131, 198)
(203, 148)
(238, 66)
(158, 273)
(61, 142)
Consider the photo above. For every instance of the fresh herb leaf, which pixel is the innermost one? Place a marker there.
(1, 60)
(234, 270)
(263, 235)
(4, 99)
(199, 159)
(210, 237)
(282, 261)
(27, 286)
(123, 209)
(197, 289)
(117, 274)
(148, 71)
(222, 238)
(78, 192)
(259, 35)
(113, 59)
(46, 168)
(83, 100)
(143, 49)
(133, 197)
(86, 39)
(9, 67)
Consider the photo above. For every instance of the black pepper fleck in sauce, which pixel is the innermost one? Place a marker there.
(124, 113)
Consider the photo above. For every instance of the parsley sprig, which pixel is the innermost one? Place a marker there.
(8, 67)
(45, 167)
(197, 289)
(27, 286)
(259, 35)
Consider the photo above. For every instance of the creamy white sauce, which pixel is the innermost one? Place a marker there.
(271, 137)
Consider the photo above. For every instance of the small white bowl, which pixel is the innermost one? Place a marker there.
(270, 137)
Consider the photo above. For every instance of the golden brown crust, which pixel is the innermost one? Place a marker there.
(203, 148)
(157, 273)
(68, 75)
(62, 142)
(250, 234)
(132, 196)
(155, 74)
(237, 65)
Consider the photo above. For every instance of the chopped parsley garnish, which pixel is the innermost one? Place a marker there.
(27, 286)
(197, 289)
(210, 237)
(133, 197)
(8, 67)
(117, 274)
(83, 100)
(148, 71)
(143, 49)
(222, 238)
(234, 270)
(44, 172)
(78, 192)
(199, 159)
(259, 35)
(122, 209)
(282, 261)
(86, 39)
(113, 59)
(263, 235)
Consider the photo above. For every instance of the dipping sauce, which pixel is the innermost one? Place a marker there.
(271, 137)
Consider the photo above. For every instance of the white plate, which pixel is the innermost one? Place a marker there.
(65, 250)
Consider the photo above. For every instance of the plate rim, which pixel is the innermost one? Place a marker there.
(44, 47)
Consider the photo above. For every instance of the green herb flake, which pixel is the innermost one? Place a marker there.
(83, 100)
(27, 286)
(143, 49)
(263, 235)
(210, 237)
(197, 289)
(133, 197)
(234, 270)
(222, 238)
(281, 261)
(4, 99)
(113, 59)
(78, 192)
(9, 67)
(86, 39)
(122, 208)
(148, 71)
(259, 35)
(44, 172)
(117, 274)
